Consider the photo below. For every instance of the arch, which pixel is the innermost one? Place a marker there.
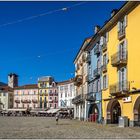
(94, 111)
(113, 111)
(136, 111)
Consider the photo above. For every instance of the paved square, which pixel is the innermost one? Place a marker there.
(44, 127)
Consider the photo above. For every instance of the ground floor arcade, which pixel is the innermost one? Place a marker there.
(126, 106)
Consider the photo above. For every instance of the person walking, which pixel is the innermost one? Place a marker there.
(57, 118)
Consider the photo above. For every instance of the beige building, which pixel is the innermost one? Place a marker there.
(81, 81)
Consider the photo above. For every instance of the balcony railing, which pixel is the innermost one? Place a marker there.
(121, 34)
(97, 72)
(104, 68)
(78, 80)
(104, 47)
(119, 58)
(26, 101)
(17, 101)
(97, 49)
(34, 100)
(119, 88)
(90, 96)
(78, 99)
(88, 59)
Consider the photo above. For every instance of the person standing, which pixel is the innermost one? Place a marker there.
(57, 118)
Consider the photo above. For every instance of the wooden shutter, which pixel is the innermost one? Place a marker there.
(125, 20)
(119, 26)
(107, 36)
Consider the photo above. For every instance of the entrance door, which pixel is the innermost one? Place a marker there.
(116, 112)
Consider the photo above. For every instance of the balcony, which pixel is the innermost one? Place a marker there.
(26, 101)
(119, 59)
(97, 72)
(78, 80)
(17, 101)
(88, 59)
(97, 49)
(90, 96)
(78, 99)
(87, 78)
(104, 47)
(34, 100)
(104, 68)
(119, 88)
(121, 34)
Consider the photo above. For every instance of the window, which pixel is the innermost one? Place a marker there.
(28, 92)
(61, 95)
(55, 98)
(50, 98)
(104, 59)
(45, 91)
(34, 92)
(4, 94)
(122, 25)
(104, 81)
(50, 105)
(54, 105)
(65, 94)
(22, 92)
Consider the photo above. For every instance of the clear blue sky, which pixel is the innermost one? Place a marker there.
(56, 38)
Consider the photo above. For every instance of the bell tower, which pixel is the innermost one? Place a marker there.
(12, 80)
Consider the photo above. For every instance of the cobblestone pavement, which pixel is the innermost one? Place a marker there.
(41, 127)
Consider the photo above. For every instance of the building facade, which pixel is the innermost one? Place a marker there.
(81, 82)
(48, 96)
(7, 92)
(6, 97)
(26, 96)
(120, 80)
(66, 92)
(94, 96)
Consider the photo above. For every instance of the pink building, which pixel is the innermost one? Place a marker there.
(26, 96)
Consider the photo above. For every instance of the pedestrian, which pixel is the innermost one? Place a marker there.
(57, 118)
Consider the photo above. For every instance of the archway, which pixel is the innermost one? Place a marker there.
(137, 112)
(113, 111)
(93, 113)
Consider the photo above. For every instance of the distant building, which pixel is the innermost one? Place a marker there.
(7, 91)
(66, 92)
(26, 96)
(48, 96)
(6, 97)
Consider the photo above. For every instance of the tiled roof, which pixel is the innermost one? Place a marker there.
(65, 82)
(31, 86)
(6, 88)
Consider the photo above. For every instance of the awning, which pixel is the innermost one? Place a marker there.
(53, 111)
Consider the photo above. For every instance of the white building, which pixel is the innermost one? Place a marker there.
(6, 97)
(66, 92)
(7, 92)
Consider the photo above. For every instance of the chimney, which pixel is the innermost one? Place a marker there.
(96, 29)
(12, 80)
(113, 12)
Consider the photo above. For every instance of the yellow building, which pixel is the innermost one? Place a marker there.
(121, 65)
(44, 84)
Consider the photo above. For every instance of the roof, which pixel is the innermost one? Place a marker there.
(85, 42)
(65, 82)
(31, 86)
(126, 7)
(45, 78)
(6, 88)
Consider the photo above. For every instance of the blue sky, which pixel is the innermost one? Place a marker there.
(56, 37)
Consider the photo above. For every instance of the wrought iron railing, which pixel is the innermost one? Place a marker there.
(78, 98)
(91, 96)
(97, 72)
(121, 33)
(119, 88)
(97, 49)
(119, 58)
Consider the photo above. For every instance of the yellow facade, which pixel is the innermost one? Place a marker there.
(127, 100)
(43, 92)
